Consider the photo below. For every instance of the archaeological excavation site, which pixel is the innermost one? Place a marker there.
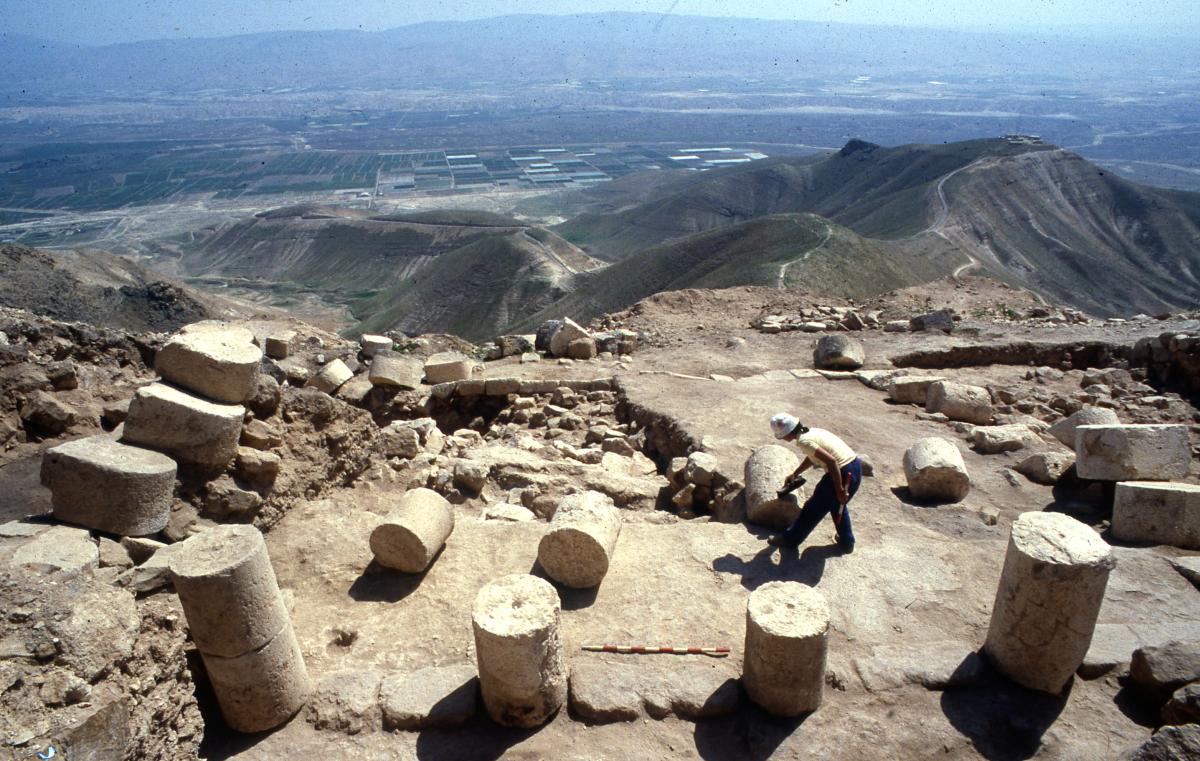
(251, 538)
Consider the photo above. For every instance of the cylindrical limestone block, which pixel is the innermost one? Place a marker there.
(263, 688)
(228, 590)
(522, 674)
(191, 430)
(766, 472)
(1053, 581)
(960, 401)
(787, 629)
(413, 532)
(934, 469)
(99, 483)
(580, 540)
(215, 360)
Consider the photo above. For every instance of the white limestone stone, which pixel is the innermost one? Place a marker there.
(388, 369)
(934, 469)
(993, 439)
(1048, 599)
(279, 345)
(766, 471)
(414, 532)
(448, 366)
(64, 550)
(522, 673)
(213, 359)
(1132, 452)
(787, 629)
(1159, 512)
(373, 344)
(331, 376)
(191, 430)
(960, 401)
(109, 486)
(263, 688)
(1064, 430)
(911, 389)
(580, 540)
(568, 332)
(228, 590)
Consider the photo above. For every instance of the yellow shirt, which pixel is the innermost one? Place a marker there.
(819, 437)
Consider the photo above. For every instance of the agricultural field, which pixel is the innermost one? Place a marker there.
(100, 176)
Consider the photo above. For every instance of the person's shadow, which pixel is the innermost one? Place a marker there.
(806, 565)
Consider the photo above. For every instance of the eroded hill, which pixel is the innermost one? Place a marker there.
(95, 287)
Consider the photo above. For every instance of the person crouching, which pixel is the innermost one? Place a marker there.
(832, 495)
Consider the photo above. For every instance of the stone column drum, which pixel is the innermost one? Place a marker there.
(414, 532)
(934, 469)
(213, 359)
(263, 688)
(99, 483)
(193, 431)
(240, 625)
(766, 471)
(787, 629)
(522, 673)
(1049, 596)
(580, 540)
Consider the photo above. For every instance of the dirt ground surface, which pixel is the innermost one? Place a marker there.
(910, 606)
(917, 590)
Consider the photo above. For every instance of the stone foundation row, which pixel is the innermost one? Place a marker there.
(525, 387)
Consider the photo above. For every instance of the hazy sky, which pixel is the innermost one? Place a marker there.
(104, 21)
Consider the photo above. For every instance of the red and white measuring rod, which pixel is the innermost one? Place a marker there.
(716, 652)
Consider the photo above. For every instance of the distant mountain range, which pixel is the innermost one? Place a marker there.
(856, 222)
(1026, 212)
(555, 48)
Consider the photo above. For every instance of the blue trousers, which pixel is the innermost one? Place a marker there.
(824, 502)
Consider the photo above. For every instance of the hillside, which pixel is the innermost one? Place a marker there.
(877, 192)
(1070, 230)
(476, 291)
(334, 249)
(1029, 213)
(94, 287)
(797, 251)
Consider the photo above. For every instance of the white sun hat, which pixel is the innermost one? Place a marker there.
(783, 424)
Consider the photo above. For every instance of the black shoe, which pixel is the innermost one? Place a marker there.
(779, 540)
(846, 548)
